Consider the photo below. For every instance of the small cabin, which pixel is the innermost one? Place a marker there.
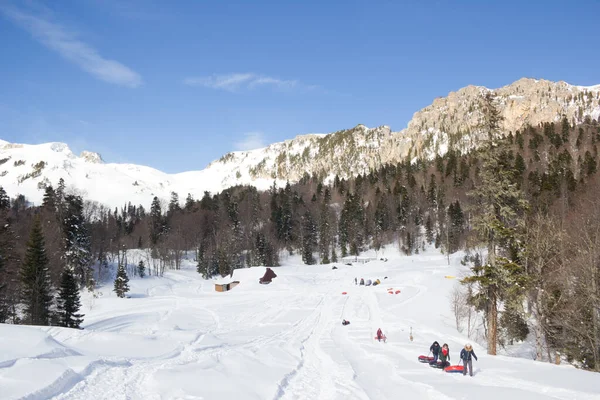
(224, 287)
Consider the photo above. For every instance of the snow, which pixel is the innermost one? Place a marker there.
(594, 88)
(177, 338)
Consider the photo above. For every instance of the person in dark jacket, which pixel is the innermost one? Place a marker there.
(435, 350)
(445, 355)
(465, 355)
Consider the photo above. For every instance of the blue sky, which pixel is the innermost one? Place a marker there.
(176, 84)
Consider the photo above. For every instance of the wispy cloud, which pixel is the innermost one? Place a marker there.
(251, 141)
(65, 43)
(239, 81)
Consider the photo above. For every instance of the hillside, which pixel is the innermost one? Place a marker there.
(176, 338)
(448, 123)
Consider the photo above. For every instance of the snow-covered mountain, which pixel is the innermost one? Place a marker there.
(27, 169)
(451, 121)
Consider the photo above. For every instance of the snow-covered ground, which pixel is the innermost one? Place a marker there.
(177, 338)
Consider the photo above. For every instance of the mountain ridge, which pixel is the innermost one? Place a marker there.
(449, 122)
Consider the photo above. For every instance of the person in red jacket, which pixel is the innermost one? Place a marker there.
(379, 334)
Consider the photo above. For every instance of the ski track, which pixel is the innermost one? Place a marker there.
(321, 358)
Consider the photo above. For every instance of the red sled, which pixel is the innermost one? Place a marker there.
(425, 359)
(454, 369)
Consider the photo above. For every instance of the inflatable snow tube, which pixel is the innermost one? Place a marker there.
(454, 369)
(344, 292)
(397, 292)
(425, 359)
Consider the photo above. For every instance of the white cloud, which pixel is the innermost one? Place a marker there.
(251, 141)
(238, 81)
(65, 43)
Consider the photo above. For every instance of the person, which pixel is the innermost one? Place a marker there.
(355, 281)
(362, 281)
(465, 355)
(344, 322)
(379, 334)
(435, 350)
(445, 355)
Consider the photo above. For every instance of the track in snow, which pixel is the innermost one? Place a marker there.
(178, 339)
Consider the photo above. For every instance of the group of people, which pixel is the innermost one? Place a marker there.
(443, 353)
(368, 282)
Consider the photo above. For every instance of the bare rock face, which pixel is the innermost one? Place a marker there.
(91, 157)
(453, 121)
(449, 122)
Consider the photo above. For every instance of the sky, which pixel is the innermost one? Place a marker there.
(175, 85)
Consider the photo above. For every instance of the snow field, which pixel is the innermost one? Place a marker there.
(177, 338)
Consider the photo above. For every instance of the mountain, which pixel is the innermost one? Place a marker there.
(449, 122)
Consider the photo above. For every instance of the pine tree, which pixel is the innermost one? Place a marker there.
(156, 221)
(77, 240)
(498, 219)
(141, 269)
(429, 230)
(35, 281)
(121, 282)
(68, 301)
(203, 266)
(174, 203)
(49, 201)
(325, 233)
(189, 202)
(309, 239)
(3, 300)
(4, 199)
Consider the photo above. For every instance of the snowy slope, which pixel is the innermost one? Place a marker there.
(176, 338)
(110, 184)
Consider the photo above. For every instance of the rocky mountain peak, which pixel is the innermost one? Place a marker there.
(91, 157)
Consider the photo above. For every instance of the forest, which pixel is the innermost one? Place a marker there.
(524, 206)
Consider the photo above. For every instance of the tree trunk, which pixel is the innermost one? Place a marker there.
(538, 316)
(492, 323)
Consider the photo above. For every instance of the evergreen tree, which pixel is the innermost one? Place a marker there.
(325, 233)
(456, 226)
(189, 203)
(498, 219)
(68, 301)
(156, 221)
(77, 240)
(309, 239)
(4, 199)
(35, 281)
(174, 203)
(141, 269)
(429, 230)
(49, 201)
(203, 266)
(121, 282)
(3, 298)
(565, 129)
